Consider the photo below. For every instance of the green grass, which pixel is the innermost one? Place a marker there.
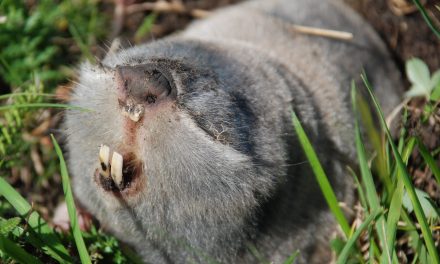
(321, 177)
(382, 209)
(402, 173)
(17, 252)
(40, 235)
(37, 41)
(40, 44)
(346, 251)
(83, 253)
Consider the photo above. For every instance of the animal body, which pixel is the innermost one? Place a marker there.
(188, 153)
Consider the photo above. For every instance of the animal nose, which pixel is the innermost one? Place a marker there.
(142, 86)
(145, 84)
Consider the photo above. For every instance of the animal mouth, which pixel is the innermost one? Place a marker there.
(117, 172)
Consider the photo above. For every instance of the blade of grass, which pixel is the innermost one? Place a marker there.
(254, 251)
(424, 258)
(16, 252)
(351, 242)
(396, 205)
(42, 105)
(390, 164)
(367, 178)
(82, 45)
(13, 75)
(291, 258)
(429, 160)
(400, 146)
(376, 139)
(320, 175)
(374, 250)
(82, 250)
(131, 255)
(416, 242)
(10, 95)
(29, 237)
(360, 189)
(50, 242)
(145, 27)
(8, 225)
(427, 235)
(427, 18)
(402, 132)
(371, 252)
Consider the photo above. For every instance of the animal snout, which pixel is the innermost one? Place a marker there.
(143, 83)
(141, 87)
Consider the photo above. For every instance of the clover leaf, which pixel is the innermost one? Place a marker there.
(422, 83)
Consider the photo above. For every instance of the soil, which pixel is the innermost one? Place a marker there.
(403, 29)
(171, 18)
(398, 22)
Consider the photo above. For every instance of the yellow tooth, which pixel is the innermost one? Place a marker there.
(104, 155)
(116, 171)
(135, 112)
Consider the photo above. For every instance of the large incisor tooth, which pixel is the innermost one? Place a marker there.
(116, 172)
(138, 111)
(104, 156)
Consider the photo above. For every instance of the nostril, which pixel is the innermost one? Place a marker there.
(151, 99)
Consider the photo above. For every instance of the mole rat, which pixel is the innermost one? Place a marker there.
(188, 152)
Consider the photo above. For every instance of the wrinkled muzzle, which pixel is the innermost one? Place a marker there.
(142, 91)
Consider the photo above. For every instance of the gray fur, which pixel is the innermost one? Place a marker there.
(221, 164)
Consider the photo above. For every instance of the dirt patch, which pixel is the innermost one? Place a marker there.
(398, 22)
(427, 128)
(406, 34)
(171, 16)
